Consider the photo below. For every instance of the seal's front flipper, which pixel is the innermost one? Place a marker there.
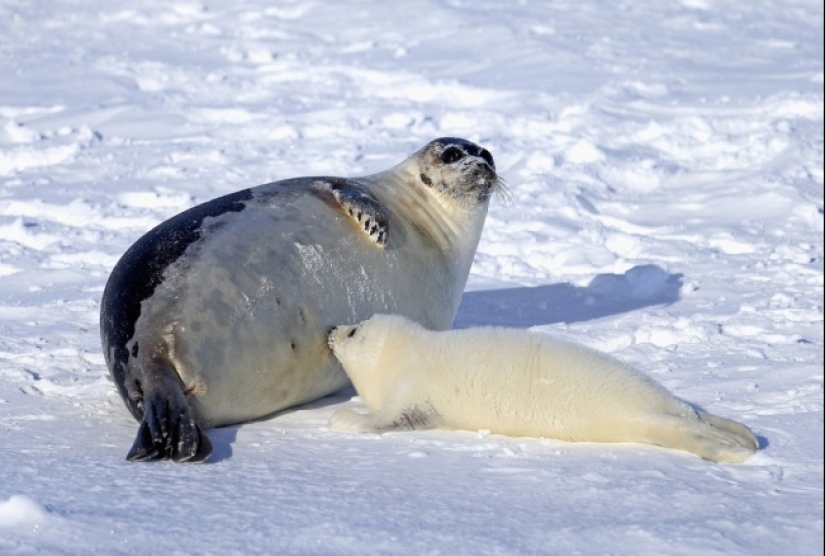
(362, 207)
(168, 429)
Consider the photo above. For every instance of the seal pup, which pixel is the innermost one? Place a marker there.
(220, 314)
(516, 383)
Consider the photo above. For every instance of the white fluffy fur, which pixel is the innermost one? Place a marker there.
(517, 383)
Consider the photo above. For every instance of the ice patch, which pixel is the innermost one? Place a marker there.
(642, 176)
(640, 282)
(583, 152)
(24, 234)
(665, 336)
(78, 214)
(18, 133)
(731, 246)
(223, 115)
(22, 513)
(155, 199)
(13, 112)
(6, 269)
(83, 259)
(23, 158)
(540, 163)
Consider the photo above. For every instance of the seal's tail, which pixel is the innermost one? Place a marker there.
(708, 436)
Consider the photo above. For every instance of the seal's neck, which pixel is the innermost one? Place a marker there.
(455, 227)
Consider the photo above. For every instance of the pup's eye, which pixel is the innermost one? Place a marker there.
(352, 333)
(451, 154)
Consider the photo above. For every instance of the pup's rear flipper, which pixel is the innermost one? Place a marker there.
(168, 429)
(708, 436)
(740, 432)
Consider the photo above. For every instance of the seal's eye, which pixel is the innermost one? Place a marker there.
(352, 333)
(451, 154)
(488, 158)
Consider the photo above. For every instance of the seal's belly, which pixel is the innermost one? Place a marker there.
(254, 302)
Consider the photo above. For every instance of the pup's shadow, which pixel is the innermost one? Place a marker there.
(606, 295)
(223, 437)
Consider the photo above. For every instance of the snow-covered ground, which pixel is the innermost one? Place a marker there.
(665, 163)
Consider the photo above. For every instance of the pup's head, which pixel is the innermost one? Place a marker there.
(359, 346)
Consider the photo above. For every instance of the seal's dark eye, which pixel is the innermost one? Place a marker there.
(488, 158)
(451, 154)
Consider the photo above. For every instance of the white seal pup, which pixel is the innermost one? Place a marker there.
(220, 315)
(516, 383)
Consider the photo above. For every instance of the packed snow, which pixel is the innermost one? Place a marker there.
(665, 171)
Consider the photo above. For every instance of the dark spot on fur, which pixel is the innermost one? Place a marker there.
(277, 301)
(135, 350)
(302, 315)
(293, 345)
(414, 418)
(427, 181)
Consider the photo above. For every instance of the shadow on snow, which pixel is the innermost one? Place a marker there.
(606, 295)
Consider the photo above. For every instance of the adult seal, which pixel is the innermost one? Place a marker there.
(518, 383)
(220, 314)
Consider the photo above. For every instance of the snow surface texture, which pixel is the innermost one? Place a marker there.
(665, 161)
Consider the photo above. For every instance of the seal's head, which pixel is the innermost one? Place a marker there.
(459, 169)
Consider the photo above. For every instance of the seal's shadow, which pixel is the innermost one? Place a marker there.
(607, 294)
(222, 439)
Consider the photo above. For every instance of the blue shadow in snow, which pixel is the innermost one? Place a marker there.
(222, 439)
(606, 295)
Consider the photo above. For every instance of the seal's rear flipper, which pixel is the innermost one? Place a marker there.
(701, 434)
(743, 435)
(168, 429)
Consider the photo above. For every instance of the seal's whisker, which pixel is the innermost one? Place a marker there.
(502, 191)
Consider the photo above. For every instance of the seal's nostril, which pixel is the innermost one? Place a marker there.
(352, 332)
